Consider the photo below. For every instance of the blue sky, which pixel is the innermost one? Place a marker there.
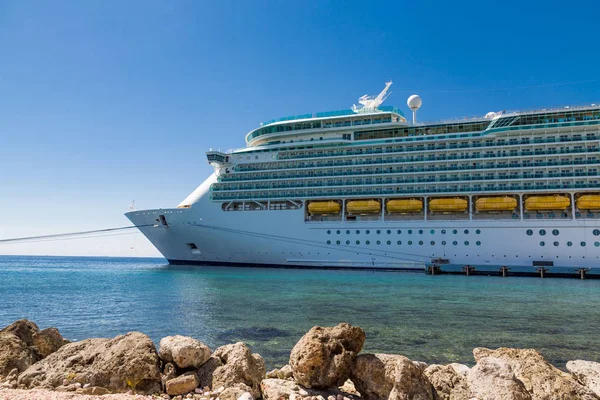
(103, 102)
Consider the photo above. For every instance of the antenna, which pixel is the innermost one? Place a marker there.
(414, 102)
(132, 206)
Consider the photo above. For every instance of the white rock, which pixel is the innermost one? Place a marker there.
(587, 373)
(246, 396)
(303, 392)
(183, 351)
(198, 390)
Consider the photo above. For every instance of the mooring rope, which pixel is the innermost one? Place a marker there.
(72, 235)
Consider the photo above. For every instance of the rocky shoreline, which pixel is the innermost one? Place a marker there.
(325, 364)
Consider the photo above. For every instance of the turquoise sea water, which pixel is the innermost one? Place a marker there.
(427, 318)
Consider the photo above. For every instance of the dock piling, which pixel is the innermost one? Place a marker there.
(542, 271)
(582, 272)
(504, 271)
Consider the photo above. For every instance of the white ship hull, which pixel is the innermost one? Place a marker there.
(206, 235)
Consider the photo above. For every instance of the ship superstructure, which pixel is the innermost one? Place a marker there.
(364, 188)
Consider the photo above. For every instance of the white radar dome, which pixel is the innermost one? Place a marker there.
(414, 102)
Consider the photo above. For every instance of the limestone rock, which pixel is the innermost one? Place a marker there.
(126, 362)
(393, 377)
(182, 384)
(447, 383)
(244, 396)
(94, 390)
(231, 365)
(587, 373)
(323, 357)
(460, 369)
(541, 380)
(277, 389)
(47, 341)
(493, 379)
(240, 391)
(23, 329)
(183, 351)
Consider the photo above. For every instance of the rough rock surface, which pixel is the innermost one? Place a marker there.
(238, 392)
(542, 380)
(119, 364)
(183, 351)
(493, 379)
(323, 357)
(16, 346)
(182, 384)
(48, 341)
(447, 383)
(587, 373)
(231, 365)
(277, 389)
(393, 377)
(460, 369)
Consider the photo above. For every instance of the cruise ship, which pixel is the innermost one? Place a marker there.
(366, 188)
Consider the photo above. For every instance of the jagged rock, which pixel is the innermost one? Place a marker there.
(587, 373)
(386, 376)
(323, 357)
(348, 387)
(447, 383)
(169, 373)
(15, 353)
(460, 369)
(284, 372)
(182, 384)
(542, 381)
(233, 364)
(493, 379)
(240, 391)
(47, 341)
(277, 389)
(23, 329)
(421, 365)
(126, 362)
(183, 351)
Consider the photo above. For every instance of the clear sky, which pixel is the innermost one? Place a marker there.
(104, 102)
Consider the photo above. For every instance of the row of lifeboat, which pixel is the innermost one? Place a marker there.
(455, 204)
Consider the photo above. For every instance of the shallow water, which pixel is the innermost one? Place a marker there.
(428, 318)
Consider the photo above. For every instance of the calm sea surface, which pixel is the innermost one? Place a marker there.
(428, 318)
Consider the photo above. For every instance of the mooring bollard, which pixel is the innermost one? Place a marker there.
(504, 271)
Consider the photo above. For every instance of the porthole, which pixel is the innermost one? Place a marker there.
(399, 242)
(410, 231)
(432, 231)
(329, 232)
(555, 232)
(466, 242)
(529, 232)
(368, 242)
(569, 244)
(542, 243)
(478, 243)
(443, 242)
(555, 244)
(347, 242)
(357, 232)
(421, 242)
(432, 243)
(410, 242)
(596, 232)
(454, 231)
(358, 242)
(338, 232)
(378, 231)
(596, 244)
(542, 232)
(379, 242)
(455, 243)
(478, 231)
(399, 231)
(420, 231)
(347, 232)
(368, 231)
(329, 242)
(389, 242)
(389, 232)
(582, 244)
(338, 242)
(443, 231)
(466, 231)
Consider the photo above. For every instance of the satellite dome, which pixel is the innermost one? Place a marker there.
(414, 102)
